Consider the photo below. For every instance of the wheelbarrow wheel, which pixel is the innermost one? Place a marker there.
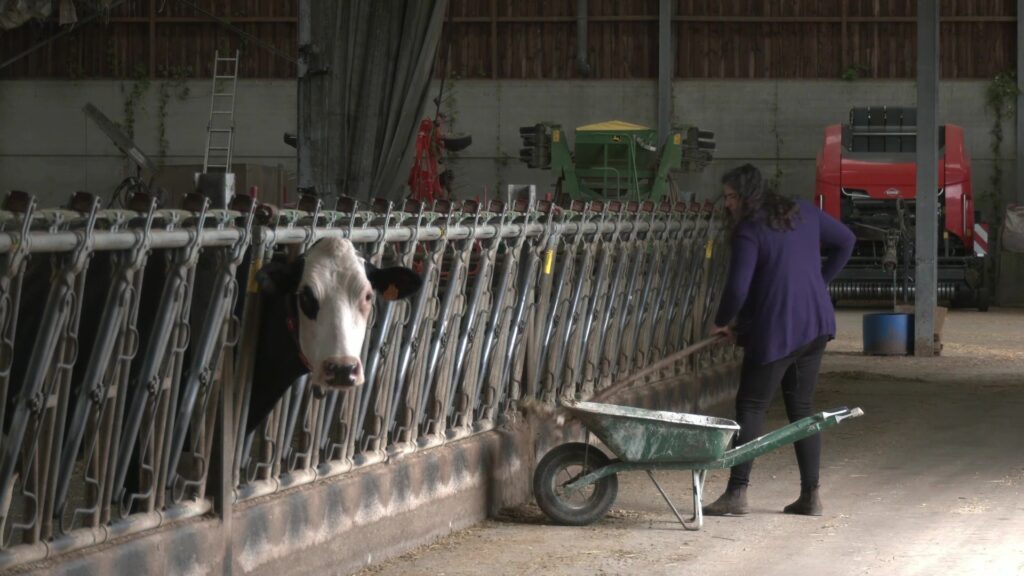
(563, 465)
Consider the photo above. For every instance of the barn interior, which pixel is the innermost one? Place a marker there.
(430, 287)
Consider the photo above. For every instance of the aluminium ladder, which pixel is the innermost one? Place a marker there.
(220, 130)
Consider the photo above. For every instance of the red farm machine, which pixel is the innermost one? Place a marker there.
(866, 174)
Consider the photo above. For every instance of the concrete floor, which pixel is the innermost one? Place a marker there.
(928, 482)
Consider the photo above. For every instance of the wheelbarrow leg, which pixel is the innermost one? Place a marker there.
(670, 504)
(698, 492)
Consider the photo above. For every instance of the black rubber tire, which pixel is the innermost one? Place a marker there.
(982, 299)
(547, 474)
(457, 142)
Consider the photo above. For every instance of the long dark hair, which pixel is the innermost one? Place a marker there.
(760, 200)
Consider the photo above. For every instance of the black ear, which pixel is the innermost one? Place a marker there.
(278, 277)
(393, 283)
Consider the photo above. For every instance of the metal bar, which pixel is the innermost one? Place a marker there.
(627, 304)
(201, 370)
(31, 400)
(468, 330)
(410, 340)
(65, 241)
(926, 241)
(610, 309)
(494, 322)
(456, 280)
(650, 474)
(595, 303)
(516, 327)
(147, 381)
(562, 352)
(92, 390)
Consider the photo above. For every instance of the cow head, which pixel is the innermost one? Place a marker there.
(331, 290)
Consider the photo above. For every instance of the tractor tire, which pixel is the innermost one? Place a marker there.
(457, 142)
(982, 299)
(561, 466)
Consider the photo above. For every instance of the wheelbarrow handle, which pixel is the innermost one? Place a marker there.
(843, 413)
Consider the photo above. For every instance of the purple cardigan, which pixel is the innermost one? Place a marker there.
(777, 290)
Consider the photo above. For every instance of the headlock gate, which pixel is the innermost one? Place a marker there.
(128, 339)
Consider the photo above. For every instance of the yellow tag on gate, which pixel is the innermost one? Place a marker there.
(709, 249)
(254, 287)
(549, 261)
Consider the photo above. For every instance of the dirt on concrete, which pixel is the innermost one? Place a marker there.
(930, 481)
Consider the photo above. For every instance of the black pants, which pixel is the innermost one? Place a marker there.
(798, 374)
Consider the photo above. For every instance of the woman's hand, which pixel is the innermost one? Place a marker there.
(724, 331)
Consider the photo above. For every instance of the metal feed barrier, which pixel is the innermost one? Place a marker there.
(128, 338)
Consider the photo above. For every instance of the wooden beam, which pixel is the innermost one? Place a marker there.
(844, 46)
(152, 38)
(494, 39)
(195, 20)
(734, 19)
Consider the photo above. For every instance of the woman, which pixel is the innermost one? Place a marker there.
(776, 304)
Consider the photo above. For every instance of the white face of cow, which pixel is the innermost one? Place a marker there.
(335, 299)
(333, 290)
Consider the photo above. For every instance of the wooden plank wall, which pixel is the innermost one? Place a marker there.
(158, 38)
(536, 39)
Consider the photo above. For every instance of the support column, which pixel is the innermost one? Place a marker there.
(927, 232)
(665, 56)
(1020, 108)
(304, 175)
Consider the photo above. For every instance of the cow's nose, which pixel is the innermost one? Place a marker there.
(344, 371)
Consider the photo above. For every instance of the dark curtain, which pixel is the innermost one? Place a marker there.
(364, 92)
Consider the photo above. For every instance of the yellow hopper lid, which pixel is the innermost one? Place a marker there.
(611, 125)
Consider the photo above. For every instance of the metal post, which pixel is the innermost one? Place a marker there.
(664, 69)
(927, 233)
(582, 63)
(304, 138)
(1020, 105)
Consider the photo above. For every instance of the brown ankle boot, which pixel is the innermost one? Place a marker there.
(808, 504)
(732, 503)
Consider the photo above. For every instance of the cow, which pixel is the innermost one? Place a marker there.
(315, 309)
(323, 300)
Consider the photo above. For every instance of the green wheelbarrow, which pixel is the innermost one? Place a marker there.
(575, 483)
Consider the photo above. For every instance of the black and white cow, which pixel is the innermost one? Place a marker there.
(315, 310)
(314, 315)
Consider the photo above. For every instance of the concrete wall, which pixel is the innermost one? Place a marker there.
(769, 123)
(48, 147)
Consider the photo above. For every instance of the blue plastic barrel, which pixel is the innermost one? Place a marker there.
(888, 334)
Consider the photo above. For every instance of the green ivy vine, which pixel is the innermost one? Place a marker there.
(1001, 101)
(853, 72)
(175, 85)
(133, 96)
